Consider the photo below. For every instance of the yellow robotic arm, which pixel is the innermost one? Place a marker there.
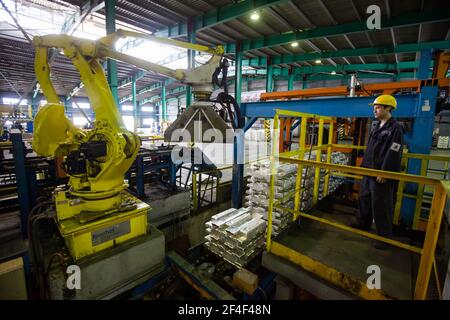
(97, 159)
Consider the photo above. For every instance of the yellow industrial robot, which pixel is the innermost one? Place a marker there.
(94, 211)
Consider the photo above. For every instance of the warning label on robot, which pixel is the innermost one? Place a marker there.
(110, 233)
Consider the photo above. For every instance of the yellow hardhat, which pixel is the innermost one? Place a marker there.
(385, 100)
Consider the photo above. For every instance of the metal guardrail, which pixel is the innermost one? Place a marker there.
(427, 252)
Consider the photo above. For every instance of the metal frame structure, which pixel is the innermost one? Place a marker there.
(419, 106)
(427, 261)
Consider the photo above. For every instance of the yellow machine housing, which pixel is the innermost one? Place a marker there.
(84, 238)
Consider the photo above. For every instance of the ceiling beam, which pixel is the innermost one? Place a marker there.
(218, 16)
(218, 34)
(89, 7)
(401, 48)
(305, 57)
(315, 48)
(300, 13)
(360, 18)
(335, 49)
(149, 13)
(334, 21)
(338, 30)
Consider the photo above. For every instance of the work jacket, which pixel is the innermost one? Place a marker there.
(384, 148)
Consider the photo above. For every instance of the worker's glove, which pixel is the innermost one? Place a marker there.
(381, 180)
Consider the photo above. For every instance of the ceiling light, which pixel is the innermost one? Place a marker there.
(254, 16)
(318, 61)
(294, 44)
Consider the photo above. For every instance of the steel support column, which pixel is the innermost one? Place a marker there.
(191, 60)
(291, 77)
(135, 105)
(304, 83)
(237, 188)
(110, 8)
(163, 103)
(269, 76)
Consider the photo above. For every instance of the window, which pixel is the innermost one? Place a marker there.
(129, 122)
(24, 102)
(127, 107)
(79, 121)
(82, 105)
(147, 109)
(147, 121)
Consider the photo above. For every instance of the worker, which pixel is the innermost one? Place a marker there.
(383, 152)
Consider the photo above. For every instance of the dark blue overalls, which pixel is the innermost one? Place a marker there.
(376, 200)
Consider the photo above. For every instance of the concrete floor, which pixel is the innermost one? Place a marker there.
(352, 254)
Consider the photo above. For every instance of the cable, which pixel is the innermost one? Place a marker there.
(230, 104)
(361, 85)
(37, 258)
(61, 263)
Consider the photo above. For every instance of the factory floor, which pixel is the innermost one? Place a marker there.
(351, 254)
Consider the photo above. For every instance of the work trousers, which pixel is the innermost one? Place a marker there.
(376, 201)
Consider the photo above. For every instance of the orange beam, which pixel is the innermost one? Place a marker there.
(390, 87)
(305, 93)
(442, 65)
(369, 89)
(444, 83)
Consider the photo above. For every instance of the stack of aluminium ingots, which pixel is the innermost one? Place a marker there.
(257, 194)
(336, 181)
(236, 235)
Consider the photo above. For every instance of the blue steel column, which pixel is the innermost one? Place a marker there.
(191, 60)
(110, 8)
(420, 140)
(23, 191)
(269, 75)
(237, 187)
(424, 64)
(135, 105)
